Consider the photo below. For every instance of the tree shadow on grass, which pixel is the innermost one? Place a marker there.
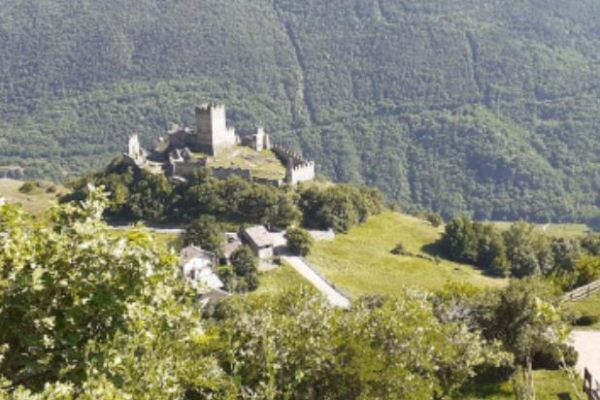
(434, 249)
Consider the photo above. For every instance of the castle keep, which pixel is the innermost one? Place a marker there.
(214, 145)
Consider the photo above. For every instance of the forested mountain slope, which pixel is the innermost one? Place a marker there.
(454, 105)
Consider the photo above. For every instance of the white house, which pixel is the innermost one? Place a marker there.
(197, 268)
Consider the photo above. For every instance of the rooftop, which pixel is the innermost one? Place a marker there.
(259, 236)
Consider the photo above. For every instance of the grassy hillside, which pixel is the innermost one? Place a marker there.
(549, 385)
(453, 105)
(361, 263)
(36, 201)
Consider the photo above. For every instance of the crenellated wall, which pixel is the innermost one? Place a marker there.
(298, 168)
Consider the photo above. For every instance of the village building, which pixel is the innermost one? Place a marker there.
(197, 269)
(184, 150)
(231, 244)
(260, 241)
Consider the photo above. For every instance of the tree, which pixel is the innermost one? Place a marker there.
(460, 242)
(244, 266)
(105, 315)
(434, 219)
(287, 212)
(528, 252)
(587, 269)
(206, 233)
(295, 346)
(299, 241)
(527, 324)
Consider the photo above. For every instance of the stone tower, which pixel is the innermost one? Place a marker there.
(212, 134)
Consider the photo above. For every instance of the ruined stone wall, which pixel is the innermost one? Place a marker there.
(135, 151)
(302, 173)
(298, 169)
(184, 169)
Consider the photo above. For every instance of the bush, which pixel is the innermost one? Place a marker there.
(30, 187)
(586, 320)
(244, 266)
(299, 241)
(206, 233)
(400, 250)
(549, 357)
(434, 219)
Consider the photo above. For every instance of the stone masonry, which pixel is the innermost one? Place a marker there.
(184, 150)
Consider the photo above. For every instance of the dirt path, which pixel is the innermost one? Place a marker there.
(587, 344)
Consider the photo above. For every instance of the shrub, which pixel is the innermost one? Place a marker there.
(586, 320)
(549, 357)
(434, 219)
(205, 232)
(299, 241)
(242, 276)
(30, 187)
(400, 250)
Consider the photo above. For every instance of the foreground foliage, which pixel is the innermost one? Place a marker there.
(89, 314)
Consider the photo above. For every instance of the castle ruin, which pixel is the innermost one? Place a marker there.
(183, 151)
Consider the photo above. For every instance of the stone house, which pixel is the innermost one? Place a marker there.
(260, 241)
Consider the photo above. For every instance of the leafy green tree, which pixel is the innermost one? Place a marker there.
(528, 324)
(491, 251)
(299, 241)
(297, 347)
(528, 252)
(338, 207)
(460, 241)
(434, 219)
(205, 232)
(245, 268)
(591, 244)
(586, 270)
(287, 212)
(105, 315)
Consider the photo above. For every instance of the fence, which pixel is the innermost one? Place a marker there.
(582, 292)
(590, 386)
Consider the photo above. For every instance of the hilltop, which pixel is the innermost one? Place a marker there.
(451, 105)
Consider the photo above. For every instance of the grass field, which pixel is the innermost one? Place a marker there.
(554, 230)
(360, 262)
(264, 164)
(550, 385)
(34, 203)
(586, 307)
(281, 280)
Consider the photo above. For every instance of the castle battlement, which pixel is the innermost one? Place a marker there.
(298, 168)
(178, 153)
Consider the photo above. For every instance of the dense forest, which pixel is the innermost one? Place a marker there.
(489, 108)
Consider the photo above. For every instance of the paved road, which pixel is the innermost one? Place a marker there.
(177, 231)
(334, 297)
(587, 344)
